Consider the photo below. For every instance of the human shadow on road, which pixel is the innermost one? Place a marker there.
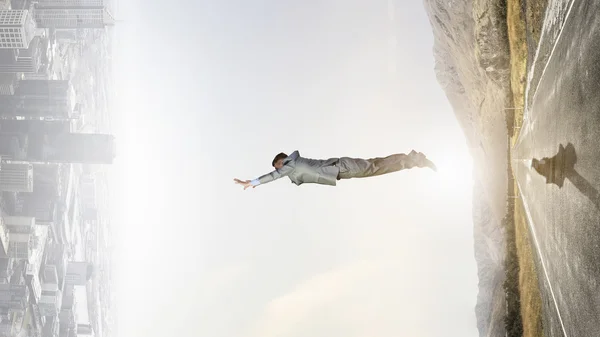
(561, 167)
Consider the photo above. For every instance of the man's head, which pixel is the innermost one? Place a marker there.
(278, 160)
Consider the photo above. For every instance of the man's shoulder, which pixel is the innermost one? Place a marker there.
(294, 155)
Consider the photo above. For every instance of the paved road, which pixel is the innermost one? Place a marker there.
(561, 137)
(554, 17)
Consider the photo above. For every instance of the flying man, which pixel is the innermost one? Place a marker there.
(302, 170)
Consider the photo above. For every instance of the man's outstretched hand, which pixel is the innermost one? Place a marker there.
(245, 183)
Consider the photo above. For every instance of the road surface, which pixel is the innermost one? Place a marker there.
(561, 137)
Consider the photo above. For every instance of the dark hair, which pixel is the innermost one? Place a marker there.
(277, 157)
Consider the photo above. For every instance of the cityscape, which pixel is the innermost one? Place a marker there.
(55, 149)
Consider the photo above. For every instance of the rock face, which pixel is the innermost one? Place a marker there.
(472, 66)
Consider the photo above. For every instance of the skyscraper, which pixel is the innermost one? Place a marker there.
(87, 192)
(72, 14)
(14, 296)
(13, 146)
(44, 88)
(41, 206)
(5, 263)
(7, 84)
(20, 230)
(23, 60)
(48, 99)
(72, 148)
(17, 28)
(19, 246)
(78, 272)
(36, 125)
(50, 300)
(16, 177)
(19, 224)
(85, 329)
(69, 3)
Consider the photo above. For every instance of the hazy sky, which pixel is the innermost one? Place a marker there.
(212, 90)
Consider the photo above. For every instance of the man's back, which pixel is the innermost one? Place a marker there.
(318, 171)
(302, 170)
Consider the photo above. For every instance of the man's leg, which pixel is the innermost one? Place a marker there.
(362, 168)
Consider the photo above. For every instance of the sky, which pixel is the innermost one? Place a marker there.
(209, 91)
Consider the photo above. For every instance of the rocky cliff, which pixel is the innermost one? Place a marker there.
(472, 66)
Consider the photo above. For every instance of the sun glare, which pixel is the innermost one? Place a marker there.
(454, 178)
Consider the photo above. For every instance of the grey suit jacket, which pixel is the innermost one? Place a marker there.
(303, 170)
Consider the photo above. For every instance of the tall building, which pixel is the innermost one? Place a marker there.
(46, 179)
(85, 329)
(14, 296)
(32, 270)
(5, 262)
(51, 300)
(6, 325)
(26, 60)
(56, 257)
(89, 148)
(68, 35)
(45, 88)
(8, 84)
(68, 313)
(35, 286)
(16, 177)
(19, 224)
(42, 74)
(13, 146)
(40, 206)
(50, 274)
(72, 15)
(19, 246)
(78, 272)
(52, 327)
(68, 320)
(73, 148)
(51, 100)
(20, 230)
(41, 125)
(87, 192)
(68, 300)
(69, 3)
(17, 28)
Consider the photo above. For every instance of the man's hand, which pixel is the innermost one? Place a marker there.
(245, 183)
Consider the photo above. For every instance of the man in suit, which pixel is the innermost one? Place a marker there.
(302, 170)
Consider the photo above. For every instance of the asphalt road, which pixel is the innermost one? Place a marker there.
(561, 138)
(554, 17)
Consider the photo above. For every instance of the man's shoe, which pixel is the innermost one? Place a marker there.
(424, 162)
(430, 164)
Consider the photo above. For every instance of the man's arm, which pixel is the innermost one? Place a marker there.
(273, 175)
(267, 178)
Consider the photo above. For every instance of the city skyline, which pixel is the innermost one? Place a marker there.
(54, 258)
